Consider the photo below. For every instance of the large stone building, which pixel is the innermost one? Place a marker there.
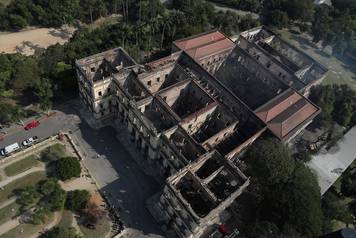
(190, 124)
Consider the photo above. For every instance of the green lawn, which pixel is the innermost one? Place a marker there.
(66, 220)
(25, 230)
(340, 72)
(8, 212)
(28, 180)
(5, 2)
(21, 166)
(102, 229)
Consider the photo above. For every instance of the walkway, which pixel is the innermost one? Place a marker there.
(54, 222)
(11, 224)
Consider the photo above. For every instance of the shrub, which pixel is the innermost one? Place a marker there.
(60, 232)
(40, 215)
(77, 200)
(68, 167)
(303, 156)
(53, 153)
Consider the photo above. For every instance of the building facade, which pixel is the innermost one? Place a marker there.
(193, 112)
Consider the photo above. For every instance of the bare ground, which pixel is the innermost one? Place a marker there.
(28, 41)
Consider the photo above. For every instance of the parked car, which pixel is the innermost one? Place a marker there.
(32, 125)
(29, 141)
(9, 149)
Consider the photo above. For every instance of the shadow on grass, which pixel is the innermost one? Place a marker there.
(322, 53)
(303, 41)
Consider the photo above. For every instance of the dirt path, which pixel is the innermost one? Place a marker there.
(28, 41)
(11, 224)
(54, 222)
(7, 202)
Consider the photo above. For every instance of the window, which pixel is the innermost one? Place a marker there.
(149, 82)
(92, 69)
(157, 79)
(100, 93)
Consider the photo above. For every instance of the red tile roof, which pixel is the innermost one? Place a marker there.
(286, 113)
(205, 44)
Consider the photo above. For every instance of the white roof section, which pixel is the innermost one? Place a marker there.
(330, 166)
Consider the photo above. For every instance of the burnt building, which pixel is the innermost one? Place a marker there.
(193, 112)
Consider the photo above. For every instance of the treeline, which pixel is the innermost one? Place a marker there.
(336, 26)
(338, 104)
(21, 13)
(331, 25)
(246, 5)
(283, 199)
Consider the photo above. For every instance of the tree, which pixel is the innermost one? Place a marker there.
(43, 91)
(301, 202)
(60, 232)
(348, 183)
(53, 153)
(270, 161)
(93, 213)
(277, 18)
(77, 200)
(68, 167)
(48, 186)
(299, 10)
(335, 209)
(303, 156)
(27, 196)
(56, 200)
(343, 113)
(40, 215)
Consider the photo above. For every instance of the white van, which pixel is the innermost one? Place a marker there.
(10, 148)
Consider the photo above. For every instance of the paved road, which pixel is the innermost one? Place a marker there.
(48, 127)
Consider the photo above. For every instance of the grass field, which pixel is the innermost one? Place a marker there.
(341, 70)
(8, 212)
(21, 166)
(25, 230)
(102, 229)
(5, 2)
(66, 220)
(28, 180)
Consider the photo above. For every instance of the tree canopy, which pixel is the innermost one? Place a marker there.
(338, 103)
(60, 232)
(68, 167)
(289, 192)
(77, 200)
(270, 161)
